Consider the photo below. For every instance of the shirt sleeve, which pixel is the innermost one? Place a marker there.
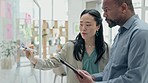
(137, 70)
(98, 76)
(52, 62)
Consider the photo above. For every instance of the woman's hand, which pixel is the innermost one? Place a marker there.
(87, 78)
(30, 55)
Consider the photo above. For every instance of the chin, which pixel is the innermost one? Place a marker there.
(83, 37)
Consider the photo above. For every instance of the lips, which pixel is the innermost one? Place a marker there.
(83, 34)
(107, 20)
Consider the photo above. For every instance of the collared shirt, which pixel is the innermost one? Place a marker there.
(129, 53)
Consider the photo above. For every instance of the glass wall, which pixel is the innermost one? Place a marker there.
(146, 11)
(19, 25)
(146, 3)
(141, 8)
(146, 16)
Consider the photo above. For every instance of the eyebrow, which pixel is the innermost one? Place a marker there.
(85, 22)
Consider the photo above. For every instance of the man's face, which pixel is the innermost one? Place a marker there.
(111, 12)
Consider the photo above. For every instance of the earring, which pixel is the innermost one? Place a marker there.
(97, 33)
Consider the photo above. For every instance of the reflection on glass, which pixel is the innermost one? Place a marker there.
(138, 11)
(146, 16)
(137, 3)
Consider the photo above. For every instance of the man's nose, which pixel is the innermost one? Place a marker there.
(104, 14)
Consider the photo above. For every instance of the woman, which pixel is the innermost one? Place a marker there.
(88, 51)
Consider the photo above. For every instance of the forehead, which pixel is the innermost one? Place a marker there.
(87, 17)
(108, 3)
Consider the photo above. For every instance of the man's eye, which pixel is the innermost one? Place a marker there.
(105, 10)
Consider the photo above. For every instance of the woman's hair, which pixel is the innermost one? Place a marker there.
(79, 44)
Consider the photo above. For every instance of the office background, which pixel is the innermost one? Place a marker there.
(20, 24)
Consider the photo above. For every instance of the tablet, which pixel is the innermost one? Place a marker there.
(70, 66)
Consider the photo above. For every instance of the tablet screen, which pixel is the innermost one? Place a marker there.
(70, 66)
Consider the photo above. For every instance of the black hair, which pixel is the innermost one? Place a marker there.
(128, 2)
(79, 44)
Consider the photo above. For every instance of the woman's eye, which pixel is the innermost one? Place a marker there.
(88, 25)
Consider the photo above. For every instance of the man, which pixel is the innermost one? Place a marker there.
(129, 53)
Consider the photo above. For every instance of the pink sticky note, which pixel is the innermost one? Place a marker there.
(27, 18)
(9, 31)
(2, 8)
(9, 11)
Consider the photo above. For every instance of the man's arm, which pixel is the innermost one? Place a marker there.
(98, 76)
(137, 71)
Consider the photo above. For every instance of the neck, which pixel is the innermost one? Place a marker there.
(127, 16)
(90, 43)
(90, 46)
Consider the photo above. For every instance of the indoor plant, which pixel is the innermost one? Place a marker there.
(7, 52)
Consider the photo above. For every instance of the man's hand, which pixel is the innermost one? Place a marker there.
(87, 78)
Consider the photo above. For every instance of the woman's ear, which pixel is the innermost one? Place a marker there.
(98, 27)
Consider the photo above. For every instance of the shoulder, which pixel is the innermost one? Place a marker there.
(140, 36)
(106, 53)
(140, 32)
(69, 44)
(140, 25)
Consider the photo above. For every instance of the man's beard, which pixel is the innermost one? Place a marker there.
(111, 23)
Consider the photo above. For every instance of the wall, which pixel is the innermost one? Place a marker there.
(75, 7)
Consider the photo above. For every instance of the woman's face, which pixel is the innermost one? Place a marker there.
(88, 26)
